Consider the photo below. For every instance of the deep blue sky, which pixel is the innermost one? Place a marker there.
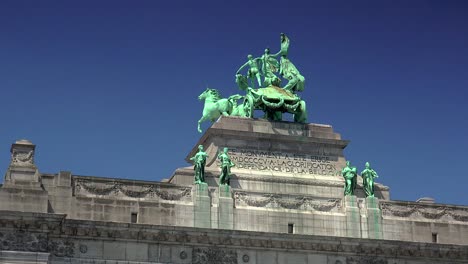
(109, 88)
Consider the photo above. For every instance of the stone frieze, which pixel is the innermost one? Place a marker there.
(425, 211)
(25, 241)
(142, 191)
(208, 245)
(365, 260)
(286, 202)
(214, 255)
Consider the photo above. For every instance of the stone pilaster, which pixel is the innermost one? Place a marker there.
(374, 218)
(353, 217)
(225, 207)
(202, 206)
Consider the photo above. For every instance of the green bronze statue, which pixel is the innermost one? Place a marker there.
(350, 175)
(226, 165)
(269, 97)
(269, 67)
(253, 72)
(287, 69)
(216, 106)
(199, 165)
(368, 176)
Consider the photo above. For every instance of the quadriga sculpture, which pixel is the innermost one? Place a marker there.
(270, 97)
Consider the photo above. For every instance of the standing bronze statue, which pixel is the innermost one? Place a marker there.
(350, 175)
(269, 67)
(368, 176)
(253, 72)
(296, 81)
(226, 165)
(199, 165)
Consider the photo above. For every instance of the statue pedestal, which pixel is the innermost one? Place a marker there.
(374, 218)
(225, 208)
(202, 206)
(21, 190)
(353, 217)
(22, 171)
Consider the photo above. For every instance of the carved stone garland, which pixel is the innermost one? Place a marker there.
(276, 201)
(117, 187)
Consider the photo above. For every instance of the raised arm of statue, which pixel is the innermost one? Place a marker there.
(242, 67)
(284, 46)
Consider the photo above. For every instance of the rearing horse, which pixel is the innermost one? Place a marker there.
(216, 106)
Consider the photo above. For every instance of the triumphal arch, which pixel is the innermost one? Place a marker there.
(258, 190)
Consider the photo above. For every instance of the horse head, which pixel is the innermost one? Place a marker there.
(205, 94)
(213, 94)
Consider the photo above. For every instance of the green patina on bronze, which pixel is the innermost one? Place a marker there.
(350, 175)
(216, 106)
(368, 176)
(199, 161)
(226, 165)
(269, 97)
(253, 71)
(274, 101)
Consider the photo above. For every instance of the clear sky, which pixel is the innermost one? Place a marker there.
(109, 88)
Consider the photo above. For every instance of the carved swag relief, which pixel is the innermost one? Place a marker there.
(277, 201)
(145, 190)
(428, 212)
(22, 158)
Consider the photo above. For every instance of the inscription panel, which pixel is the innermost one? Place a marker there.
(274, 161)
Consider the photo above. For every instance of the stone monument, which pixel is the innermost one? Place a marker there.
(261, 190)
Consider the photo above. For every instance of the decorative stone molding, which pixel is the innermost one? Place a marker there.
(279, 201)
(22, 158)
(424, 210)
(365, 260)
(25, 241)
(291, 180)
(214, 255)
(144, 190)
(209, 245)
(22, 153)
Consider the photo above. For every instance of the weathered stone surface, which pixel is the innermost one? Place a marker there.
(67, 240)
(65, 218)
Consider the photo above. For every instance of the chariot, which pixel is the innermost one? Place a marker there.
(274, 101)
